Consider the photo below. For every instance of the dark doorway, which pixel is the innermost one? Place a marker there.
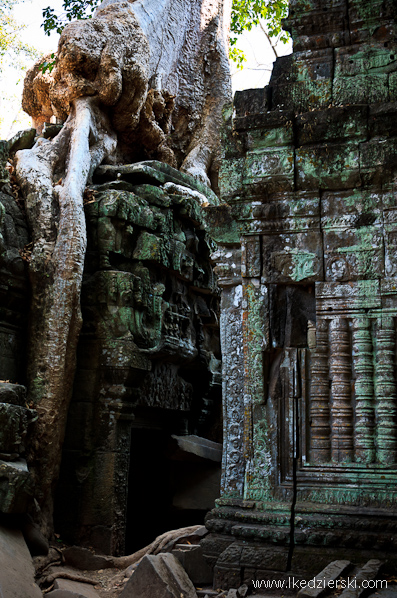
(149, 491)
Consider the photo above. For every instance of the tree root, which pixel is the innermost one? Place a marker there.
(56, 218)
(64, 575)
(122, 562)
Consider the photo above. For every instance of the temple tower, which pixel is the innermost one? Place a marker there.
(308, 265)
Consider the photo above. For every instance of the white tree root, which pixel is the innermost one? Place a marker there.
(56, 218)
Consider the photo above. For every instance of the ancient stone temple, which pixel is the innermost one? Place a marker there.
(307, 263)
(142, 450)
(148, 364)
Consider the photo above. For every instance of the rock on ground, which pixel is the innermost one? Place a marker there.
(16, 567)
(159, 576)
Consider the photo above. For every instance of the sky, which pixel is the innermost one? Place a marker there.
(256, 72)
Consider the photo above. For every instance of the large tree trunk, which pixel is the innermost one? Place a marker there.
(159, 70)
(56, 217)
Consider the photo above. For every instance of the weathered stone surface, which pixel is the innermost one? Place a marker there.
(160, 576)
(16, 567)
(83, 558)
(192, 560)
(320, 584)
(14, 394)
(14, 422)
(201, 447)
(21, 140)
(149, 345)
(309, 181)
(74, 589)
(362, 579)
(15, 486)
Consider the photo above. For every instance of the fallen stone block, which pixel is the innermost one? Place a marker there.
(160, 576)
(367, 573)
(192, 560)
(64, 594)
(321, 582)
(84, 559)
(74, 589)
(16, 567)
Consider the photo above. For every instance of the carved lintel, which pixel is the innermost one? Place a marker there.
(341, 407)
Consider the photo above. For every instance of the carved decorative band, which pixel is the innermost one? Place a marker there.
(364, 441)
(320, 432)
(385, 391)
(341, 407)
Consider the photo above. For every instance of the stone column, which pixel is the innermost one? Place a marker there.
(320, 430)
(341, 408)
(228, 271)
(364, 444)
(385, 392)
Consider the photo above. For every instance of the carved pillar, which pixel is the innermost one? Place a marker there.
(320, 431)
(364, 446)
(385, 392)
(341, 408)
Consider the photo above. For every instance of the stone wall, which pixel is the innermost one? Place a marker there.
(307, 263)
(148, 364)
(15, 417)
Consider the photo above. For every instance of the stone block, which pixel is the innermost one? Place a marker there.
(292, 257)
(74, 589)
(318, 28)
(15, 486)
(250, 101)
(304, 82)
(333, 124)
(377, 157)
(14, 394)
(227, 577)
(16, 567)
(295, 212)
(324, 579)
(230, 177)
(333, 296)
(192, 560)
(14, 422)
(328, 166)
(354, 254)
(382, 120)
(200, 447)
(300, 96)
(368, 18)
(274, 119)
(360, 89)
(160, 576)
(273, 168)
(361, 74)
(84, 559)
(266, 137)
(251, 257)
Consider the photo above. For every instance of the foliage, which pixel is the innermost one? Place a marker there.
(245, 15)
(15, 57)
(13, 50)
(74, 9)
